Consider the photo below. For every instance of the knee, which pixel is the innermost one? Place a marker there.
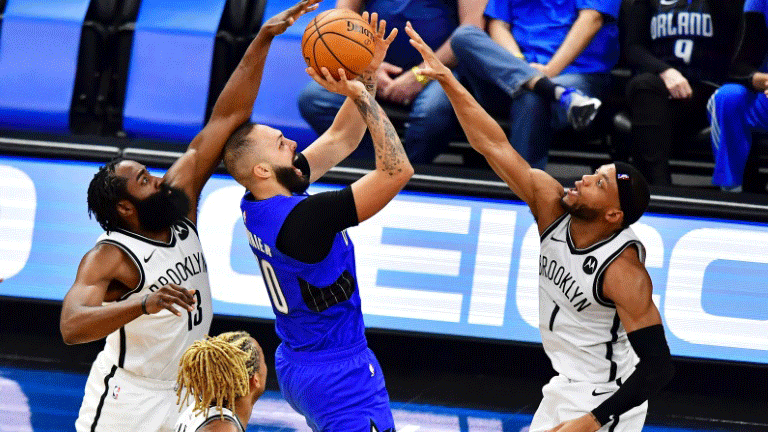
(730, 94)
(464, 36)
(644, 83)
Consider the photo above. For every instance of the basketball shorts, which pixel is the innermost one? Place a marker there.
(338, 391)
(566, 400)
(116, 400)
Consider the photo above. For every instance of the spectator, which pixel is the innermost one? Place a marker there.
(431, 122)
(535, 61)
(681, 50)
(739, 108)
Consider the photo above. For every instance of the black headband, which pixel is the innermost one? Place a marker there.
(633, 192)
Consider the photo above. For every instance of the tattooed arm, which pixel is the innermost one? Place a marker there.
(348, 128)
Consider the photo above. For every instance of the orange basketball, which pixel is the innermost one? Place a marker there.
(338, 38)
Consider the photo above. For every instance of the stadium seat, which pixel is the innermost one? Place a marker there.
(284, 78)
(38, 61)
(169, 72)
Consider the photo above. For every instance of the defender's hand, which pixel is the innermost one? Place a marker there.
(280, 22)
(435, 68)
(343, 86)
(168, 296)
(381, 43)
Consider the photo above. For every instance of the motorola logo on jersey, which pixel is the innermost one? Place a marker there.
(590, 265)
(182, 231)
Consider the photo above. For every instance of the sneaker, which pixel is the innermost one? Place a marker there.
(581, 108)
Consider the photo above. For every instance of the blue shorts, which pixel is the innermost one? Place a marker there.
(339, 391)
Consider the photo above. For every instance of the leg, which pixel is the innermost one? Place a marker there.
(483, 59)
(651, 127)
(431, 125)
(319, 107)
(531, 128)
(731, 135)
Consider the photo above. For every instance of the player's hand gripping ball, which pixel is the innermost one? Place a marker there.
(338, 39)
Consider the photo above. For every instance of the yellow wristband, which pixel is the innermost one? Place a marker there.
(421, 79)
(519, 55)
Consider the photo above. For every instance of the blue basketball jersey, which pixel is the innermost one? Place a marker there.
(317, 306)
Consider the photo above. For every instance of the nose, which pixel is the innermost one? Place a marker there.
(293, 145)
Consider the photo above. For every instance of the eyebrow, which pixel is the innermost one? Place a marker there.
(279, 138)
(143, 171)
(605, 176)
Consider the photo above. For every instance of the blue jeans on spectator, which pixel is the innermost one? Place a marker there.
(430, 126)
(489, 68)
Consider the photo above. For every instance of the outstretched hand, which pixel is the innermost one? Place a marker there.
(381, 42)
(342, 86)
(435, 68)
(280, 22)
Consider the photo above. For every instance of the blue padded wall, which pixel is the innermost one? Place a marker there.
(39, 46)
(170, 68)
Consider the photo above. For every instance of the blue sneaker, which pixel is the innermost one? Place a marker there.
(581, 108)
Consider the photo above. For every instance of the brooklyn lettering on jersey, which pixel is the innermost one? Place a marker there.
(181, 271)
(556, 273)
(673, 24)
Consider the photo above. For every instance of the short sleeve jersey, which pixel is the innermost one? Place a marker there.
(540, 27)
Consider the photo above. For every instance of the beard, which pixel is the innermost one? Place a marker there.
(288, 178)
(580, 212)
(160, 210)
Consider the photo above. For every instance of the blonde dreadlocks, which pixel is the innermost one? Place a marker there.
(215, 371)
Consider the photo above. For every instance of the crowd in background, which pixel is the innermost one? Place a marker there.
(694, 63)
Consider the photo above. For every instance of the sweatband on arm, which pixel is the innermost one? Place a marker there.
(651, 374)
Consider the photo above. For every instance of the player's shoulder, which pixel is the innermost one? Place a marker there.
(548, 192)
(626, 276)
(106, 258)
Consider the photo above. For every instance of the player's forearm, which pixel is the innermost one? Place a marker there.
(236, 99)
(578, 38)
(82, 324)
(390, 154)
(355, 5)
(482, 131)
(349, 126)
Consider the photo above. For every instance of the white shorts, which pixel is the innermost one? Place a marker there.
(116, 400)
(566, 400)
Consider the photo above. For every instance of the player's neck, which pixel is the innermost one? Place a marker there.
(586, 233)
(243, 409)
(267, 190)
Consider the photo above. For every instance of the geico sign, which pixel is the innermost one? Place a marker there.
(431, 260)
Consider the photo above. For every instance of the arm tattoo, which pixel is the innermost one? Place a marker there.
(369, 79)
(390, 155)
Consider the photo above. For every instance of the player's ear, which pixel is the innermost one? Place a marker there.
(262, 170)
(614, 215)
(125, 208)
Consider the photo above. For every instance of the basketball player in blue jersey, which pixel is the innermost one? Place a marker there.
(144, 286)
(324, 367)
(601, 331)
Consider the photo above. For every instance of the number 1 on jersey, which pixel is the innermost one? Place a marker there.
(273, 286)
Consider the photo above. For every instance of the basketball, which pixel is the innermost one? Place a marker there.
(338, 38)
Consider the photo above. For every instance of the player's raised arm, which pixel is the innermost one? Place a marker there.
(233, 108)
(84, 317)
(393, 169)
(537, 188)
(348, 127)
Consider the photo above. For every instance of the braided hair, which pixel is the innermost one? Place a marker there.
(216, 371)
(104, 192)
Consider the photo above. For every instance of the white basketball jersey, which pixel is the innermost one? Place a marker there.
(580, 328)
(189, 421)
(151, 345)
